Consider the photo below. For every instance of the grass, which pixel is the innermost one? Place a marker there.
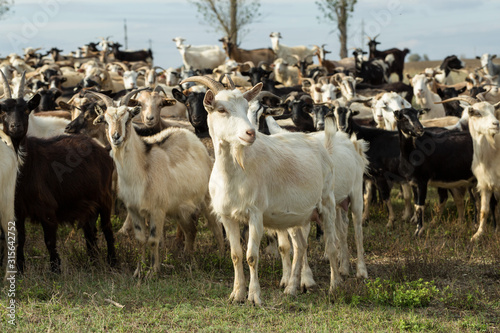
(438, 283)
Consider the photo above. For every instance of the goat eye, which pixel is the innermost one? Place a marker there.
(221, 110)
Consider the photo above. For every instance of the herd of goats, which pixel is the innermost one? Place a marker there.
(264, 137)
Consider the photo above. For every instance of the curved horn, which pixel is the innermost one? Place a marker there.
(249, 63)
(323, 79)
(105, 98)
(20, 91)
(358, 100)
(158, 67)
(125, 99)
(466, 99)
(158, 89)
(6, 87)
(122, 65)
(308, 79)
(263, 94)
(291, 96)
(213, 85)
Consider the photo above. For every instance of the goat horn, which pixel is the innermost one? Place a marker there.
(20, 91)
(231, 83)
(121, 64)
(158, 89)
(6, 87)
(125, 99)
(263, 94)
(467, 99)
(213, 85)
(307, 79)
(249, 63)
(158, 67)
(105, 98)
(358, 100)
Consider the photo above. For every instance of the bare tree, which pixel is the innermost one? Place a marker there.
(5, 7)
(229, 17)
(337, 11)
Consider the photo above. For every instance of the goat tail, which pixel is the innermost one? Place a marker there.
(361, 147)
(330, 132)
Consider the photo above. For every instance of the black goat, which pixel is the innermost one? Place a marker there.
(197, 114)
(442, 157)
(451, 108)
(141, 55)
(394, 57)
(373, 71)
(61, 180)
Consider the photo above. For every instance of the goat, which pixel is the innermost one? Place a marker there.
(163, 175)
(193, 59)
(426, 98)
(197, 115)
(383, 154)
(285, 74)
(396, 64)
(383, 110)
(373, 71)
(426, 156)
(489, 67)
(241, 55)
(141, 55)
(243, 190)
(484, 130)
(350, 163)
(8, 175)
(74, 174)
(288, 53)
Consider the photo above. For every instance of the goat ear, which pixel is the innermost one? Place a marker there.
(168, 102)
(496, 106)
(33, 102)
(408, 76)
(250, 94)
(459, 91)
(493, 56)
(178, 95)
(355, 112)
(208, 100)
(359, 79)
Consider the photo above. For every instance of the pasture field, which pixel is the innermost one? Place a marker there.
(438, 283)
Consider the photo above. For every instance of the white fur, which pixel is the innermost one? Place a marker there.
(46, 127)
(288, 52)
(193, 59)
(8, 174)
(426, 98)
(383, 110)
(484, 130)
(275, 182)
(171, 180)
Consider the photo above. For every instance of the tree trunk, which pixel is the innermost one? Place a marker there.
(342, 26)
(233, 23)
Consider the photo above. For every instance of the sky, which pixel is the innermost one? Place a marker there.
(436, 28)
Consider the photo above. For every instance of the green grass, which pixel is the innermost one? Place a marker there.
(438, 283)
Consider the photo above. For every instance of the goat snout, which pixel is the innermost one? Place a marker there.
(249, 137)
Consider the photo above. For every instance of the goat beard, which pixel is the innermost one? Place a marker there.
(491, 140)
(239, 155)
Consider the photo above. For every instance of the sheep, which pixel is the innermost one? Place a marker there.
(74, 173)
(426, 98)
(274, 182)
(288, 52)
(163, 175)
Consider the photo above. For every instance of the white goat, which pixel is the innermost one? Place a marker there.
(274, 182)
(165, 175)
(8, 176)
(383, 109)
(489, 67)
(179, 41)
(484, 129)
(425, 97)
(287, 52)
(46, 127)
(193, 59)
(348, 155)
(287, 75)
